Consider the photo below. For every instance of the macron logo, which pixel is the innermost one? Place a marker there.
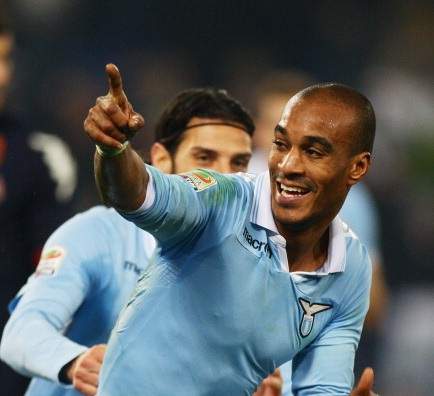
(255, 244)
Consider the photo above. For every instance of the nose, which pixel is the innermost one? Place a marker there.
(292, 162)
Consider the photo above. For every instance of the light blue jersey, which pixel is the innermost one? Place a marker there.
(87, 272)
(218, 310)
(359, 212)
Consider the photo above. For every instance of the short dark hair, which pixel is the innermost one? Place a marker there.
(365, 116)
(203, 103)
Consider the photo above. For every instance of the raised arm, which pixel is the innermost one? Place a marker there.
(120, 175)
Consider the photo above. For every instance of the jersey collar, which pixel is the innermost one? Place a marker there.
(262, 216)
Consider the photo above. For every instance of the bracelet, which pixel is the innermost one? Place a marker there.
(109, 152)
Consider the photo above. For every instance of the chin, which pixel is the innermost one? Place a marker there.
(292, 221)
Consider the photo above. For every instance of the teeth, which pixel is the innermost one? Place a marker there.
(286, 190)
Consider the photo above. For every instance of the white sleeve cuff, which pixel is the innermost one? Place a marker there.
(150, 193)
(149, 199)
(69, 352)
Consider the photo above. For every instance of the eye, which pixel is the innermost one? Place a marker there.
(279, 144)
(313, 152)
(203, 157)
(241, 163)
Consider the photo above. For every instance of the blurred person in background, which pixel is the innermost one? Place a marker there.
(37, 182)
(64, 314)
(359, 209)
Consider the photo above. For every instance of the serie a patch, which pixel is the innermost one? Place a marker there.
(199, 179)
(50, 261)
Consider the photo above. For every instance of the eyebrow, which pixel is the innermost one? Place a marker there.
(196, 149)
(203, 149)
(325, 143)
(327, 146)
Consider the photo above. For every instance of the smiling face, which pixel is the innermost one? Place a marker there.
(311, 162)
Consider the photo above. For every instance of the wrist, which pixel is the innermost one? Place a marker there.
(109, 152)
(66, 373)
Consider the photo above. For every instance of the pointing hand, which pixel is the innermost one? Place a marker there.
(112, 120)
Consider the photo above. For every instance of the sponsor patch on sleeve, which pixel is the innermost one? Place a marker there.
(50, 261)
(199, 179)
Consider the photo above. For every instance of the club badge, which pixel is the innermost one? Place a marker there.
(309, 312)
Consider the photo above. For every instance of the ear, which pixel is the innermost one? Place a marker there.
(359, 167)
(161, 158)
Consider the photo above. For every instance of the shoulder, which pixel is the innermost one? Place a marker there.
(98, 222)
(99, 213)
(358, 267)
(109, 223)
(95, 215)
(87, 238)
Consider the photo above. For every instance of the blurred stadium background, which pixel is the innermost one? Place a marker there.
(383, 48)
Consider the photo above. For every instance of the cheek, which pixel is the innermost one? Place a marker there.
(333, 185)
(274, 157)
(326, 171)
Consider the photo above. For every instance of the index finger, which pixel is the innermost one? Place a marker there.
(115, 83)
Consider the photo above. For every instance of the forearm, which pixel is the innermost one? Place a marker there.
(324, 370)
(122, 180)
(33, 347)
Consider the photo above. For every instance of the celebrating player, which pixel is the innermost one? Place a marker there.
(252, 272)
(67, 309)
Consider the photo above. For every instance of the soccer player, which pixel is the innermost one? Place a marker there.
(89, 266)
(359, 210)
(252, 272)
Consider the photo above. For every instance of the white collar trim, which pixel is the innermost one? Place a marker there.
(261, 214)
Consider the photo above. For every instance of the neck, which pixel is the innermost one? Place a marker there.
(306, 249)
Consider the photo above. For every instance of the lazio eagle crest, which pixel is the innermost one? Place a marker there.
(309, 312)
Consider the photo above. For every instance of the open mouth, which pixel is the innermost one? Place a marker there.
(291, 191)
(290, 194)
